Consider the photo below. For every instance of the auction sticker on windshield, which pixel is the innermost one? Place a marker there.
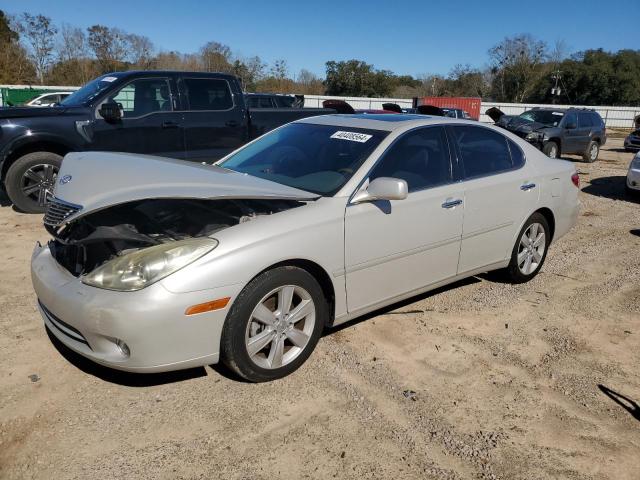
(352, 136)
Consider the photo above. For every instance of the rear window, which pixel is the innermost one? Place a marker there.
(207, 94)
(484, 152)
(285, 102)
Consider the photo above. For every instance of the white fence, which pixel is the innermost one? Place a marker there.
(622, 117)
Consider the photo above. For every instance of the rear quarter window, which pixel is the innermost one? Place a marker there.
(208, 94)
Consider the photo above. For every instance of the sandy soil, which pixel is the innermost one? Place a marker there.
(476, 380)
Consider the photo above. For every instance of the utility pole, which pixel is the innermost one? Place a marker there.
(556, 90)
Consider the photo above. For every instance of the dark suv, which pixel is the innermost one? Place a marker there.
(557, 131)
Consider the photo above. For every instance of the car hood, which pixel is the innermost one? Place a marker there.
(520, 125)
(96, 180)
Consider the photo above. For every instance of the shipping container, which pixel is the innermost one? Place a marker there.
(471, 105)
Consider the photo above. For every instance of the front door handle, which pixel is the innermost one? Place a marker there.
(452, 203)
(527, 186)
(232, 123)
(169, 125)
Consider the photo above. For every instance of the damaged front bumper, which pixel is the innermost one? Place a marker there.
(142, 331)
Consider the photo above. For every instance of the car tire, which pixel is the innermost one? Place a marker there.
(590, 155)
(551, 149)
(21, 181)
(526, 258)
(257, 351)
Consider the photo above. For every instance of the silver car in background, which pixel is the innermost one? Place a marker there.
(159, 264)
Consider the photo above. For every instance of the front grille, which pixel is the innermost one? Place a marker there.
(63, 327)
(58, 211)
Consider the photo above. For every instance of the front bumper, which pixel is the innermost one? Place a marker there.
(633, 179)
(631, 144)
(151, 321)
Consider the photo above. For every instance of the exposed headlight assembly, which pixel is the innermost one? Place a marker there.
(136, 270)
(534, 136)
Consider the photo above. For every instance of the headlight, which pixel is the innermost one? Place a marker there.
(138, 269)
(533, 136)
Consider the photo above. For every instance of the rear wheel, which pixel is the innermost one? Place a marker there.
(551, 150)
(30, 180)
(274, 324)
(530, 250)
(590, 155)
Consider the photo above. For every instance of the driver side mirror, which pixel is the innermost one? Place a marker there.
(383, 188)
(571, 126)
(38, 102)
(111, 112)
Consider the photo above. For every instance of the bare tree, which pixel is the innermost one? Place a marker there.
(309, 83)
(518, 62)
(140, 50)
(39, 33)
(216, 57)
(109, 45)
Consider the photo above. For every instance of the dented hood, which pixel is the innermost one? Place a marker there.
(95, 180)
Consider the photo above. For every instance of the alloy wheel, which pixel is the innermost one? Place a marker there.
(38, 182)
(280, 326)
(593, 153)
(531, 248)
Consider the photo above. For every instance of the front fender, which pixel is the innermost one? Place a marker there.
(26, 137)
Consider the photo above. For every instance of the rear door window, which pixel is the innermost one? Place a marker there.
(207, 94)
(584, 120)
(483, 151)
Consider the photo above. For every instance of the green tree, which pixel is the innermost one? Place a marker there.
(14, 64)
(357, 78)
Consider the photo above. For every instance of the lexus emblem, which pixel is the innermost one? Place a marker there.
(65, 179)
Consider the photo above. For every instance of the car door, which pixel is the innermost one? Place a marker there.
(215, 124)
(150, 123)
(583, 132)
(499, 191)
(397, 247)
(570, 137)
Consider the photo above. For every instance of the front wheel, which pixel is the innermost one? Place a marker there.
(550, 149)
(530, 250)
(274, 324)
(30, 180)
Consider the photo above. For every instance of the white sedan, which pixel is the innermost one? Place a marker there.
(159, 264)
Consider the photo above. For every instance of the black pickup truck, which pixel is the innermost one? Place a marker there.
(187, 115)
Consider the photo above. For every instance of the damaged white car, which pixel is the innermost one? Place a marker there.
(160, 264)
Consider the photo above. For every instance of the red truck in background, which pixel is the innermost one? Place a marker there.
(469, 104)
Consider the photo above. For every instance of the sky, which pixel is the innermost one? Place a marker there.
(405, 36)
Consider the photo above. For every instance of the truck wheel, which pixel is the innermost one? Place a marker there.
(551, 150)
(590, 155)
(30, 180)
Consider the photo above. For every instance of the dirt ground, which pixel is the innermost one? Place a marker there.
(476, 380)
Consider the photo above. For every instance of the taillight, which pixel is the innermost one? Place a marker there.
(575, 178)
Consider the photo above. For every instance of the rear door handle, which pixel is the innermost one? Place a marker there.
(527, 186)
(452, 203)
(169, 125)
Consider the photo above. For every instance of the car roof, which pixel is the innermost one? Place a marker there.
(384, 122)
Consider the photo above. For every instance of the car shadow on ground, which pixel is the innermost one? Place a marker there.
(611, 187)
(635, 231)
(123, 378)
(398, 308)
(625, 402)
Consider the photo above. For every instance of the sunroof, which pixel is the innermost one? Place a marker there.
(390, 117)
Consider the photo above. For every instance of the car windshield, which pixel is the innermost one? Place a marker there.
(546, 117)
(316, 158)
(90, 91)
